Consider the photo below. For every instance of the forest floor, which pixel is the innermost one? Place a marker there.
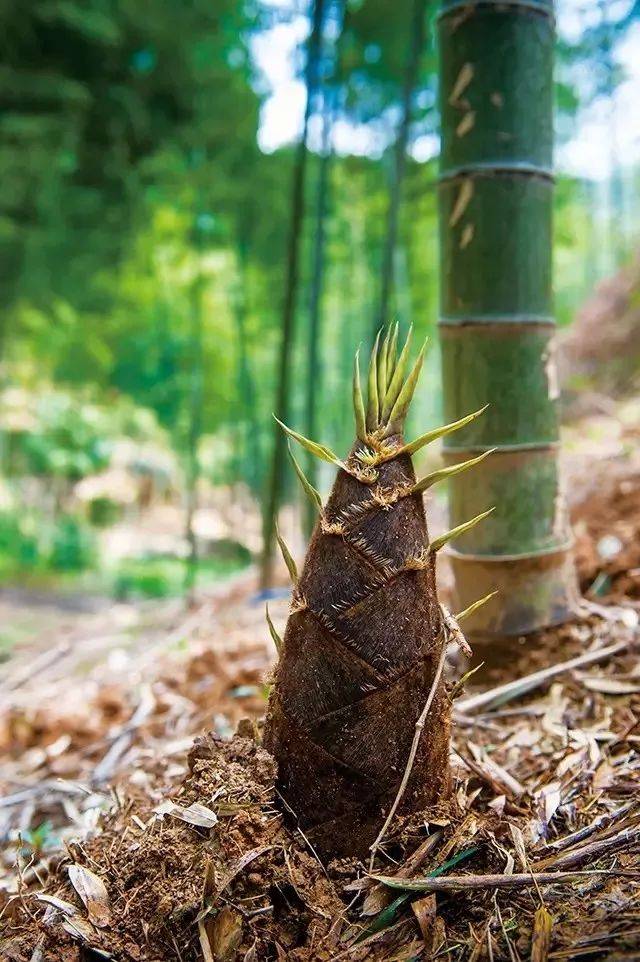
(121, 840)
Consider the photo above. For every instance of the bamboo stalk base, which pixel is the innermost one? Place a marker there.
(534, 591)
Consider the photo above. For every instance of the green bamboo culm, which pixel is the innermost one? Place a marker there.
(496, 323)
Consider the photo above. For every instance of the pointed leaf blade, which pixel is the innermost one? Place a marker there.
(320, 450)
(440, 542)
(358, 402)
(373, 409)
(442, 474)
(401, 406)
(396, 381)
(312, 493)
(392, 356)
(277, 640)
(382, 370)
(288, 557)
(384, 919)
(441, 432)
(467, 612)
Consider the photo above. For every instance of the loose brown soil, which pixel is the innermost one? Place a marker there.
(594, 367)
(607, 529)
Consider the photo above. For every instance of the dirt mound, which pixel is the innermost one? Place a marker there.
(601, 349)
(218, 840)
(209, 873)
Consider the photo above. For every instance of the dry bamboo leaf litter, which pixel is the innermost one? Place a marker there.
(92, 892)
(251, 885)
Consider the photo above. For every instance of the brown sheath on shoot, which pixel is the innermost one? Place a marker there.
(364, 636)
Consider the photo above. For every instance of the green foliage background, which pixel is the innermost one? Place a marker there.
(134, 196)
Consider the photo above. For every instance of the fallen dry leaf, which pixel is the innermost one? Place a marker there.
(220, 936)
(93, 893)
(239, 865)
(205, 942)
(79, 929)
(425, 910)
(611, 686)
(63, 906)
(195, 814)
(541, 935)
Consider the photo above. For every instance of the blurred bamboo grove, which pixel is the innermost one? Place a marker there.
(167, 283)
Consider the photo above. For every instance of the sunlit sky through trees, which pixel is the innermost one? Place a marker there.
(170, 250)
(605, 130)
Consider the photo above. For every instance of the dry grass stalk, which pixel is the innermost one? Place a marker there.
(593, 850)
(412, 756)
(462, 883)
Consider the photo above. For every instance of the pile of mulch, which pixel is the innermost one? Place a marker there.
(539, 845)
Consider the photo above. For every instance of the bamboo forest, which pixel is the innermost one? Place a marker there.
(320, 480)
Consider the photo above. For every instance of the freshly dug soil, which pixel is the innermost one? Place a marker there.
(257, 888)
(161, 872)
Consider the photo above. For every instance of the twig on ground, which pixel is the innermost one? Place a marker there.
(612, 613)
(36, 666)
(513, 689)
(461, 883)
(593, 850)
(108, 764)
(494, 775)
(479, 942)
(512, 954)
(603, 821)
